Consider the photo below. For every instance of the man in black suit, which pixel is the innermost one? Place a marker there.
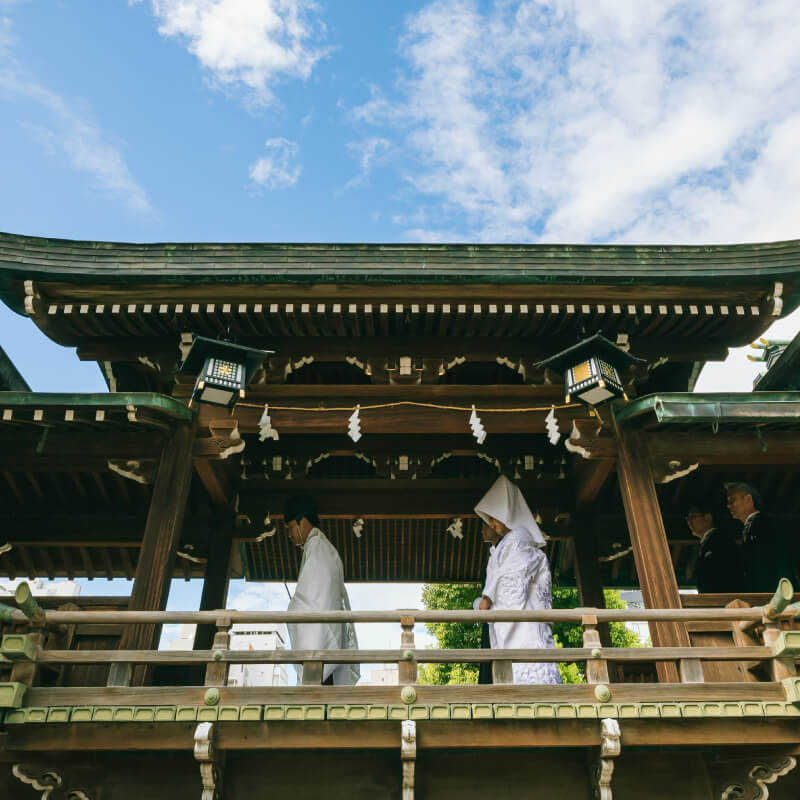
(719, 565)
(766, 556)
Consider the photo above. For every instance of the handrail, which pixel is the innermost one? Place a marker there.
(425, 656)
(32, 651)
(574, 615)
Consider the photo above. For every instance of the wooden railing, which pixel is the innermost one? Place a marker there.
(39, 648)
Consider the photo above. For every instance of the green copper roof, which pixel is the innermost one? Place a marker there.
(91, 262)
(10, 378)
(167, 407)
(711, 408)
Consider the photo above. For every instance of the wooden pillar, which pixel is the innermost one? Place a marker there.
(649, 539)
(215, 586)
(587, 573)
(157, 554)
(589, 477)
(216, 579)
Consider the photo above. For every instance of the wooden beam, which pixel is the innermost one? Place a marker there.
(649, 539)
(303, 447)
(156, 557)
(726, 448)
(749, 738)
(215, 476)
(406, 498)
(589, 479)
(474, 348)
(39, 528)
(402, 419)
(71, 448)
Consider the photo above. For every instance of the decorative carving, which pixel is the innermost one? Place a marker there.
(672, 470)
(408, 754)
(583, 437)
(46, 781)
(211, 762)
(141, 471)
(31, 298)
(777, 299)
(758, 777)
(456, 528)
(225, 435)
(186, 553)
(610, 747)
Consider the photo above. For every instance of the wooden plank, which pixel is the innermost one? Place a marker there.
(156, 556)
(649, 540)
(291, 695)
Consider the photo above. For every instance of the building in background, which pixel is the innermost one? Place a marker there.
(383, 675)
(42, 588)
(248, 636)
(245, 636)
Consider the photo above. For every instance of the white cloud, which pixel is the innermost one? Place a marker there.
(275, 170)
(6, 36)
(367, 153)
(607, 120)
(249, 44)
(68, 132)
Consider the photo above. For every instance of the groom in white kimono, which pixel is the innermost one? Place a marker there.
(320, 587)
(517, 577)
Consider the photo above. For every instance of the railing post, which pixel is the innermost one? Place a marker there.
(502, 671)
(407, 668)
(691, 670)
(312, 673)
(779, 667)
(25, 671)
(217, 670)
(596, 667)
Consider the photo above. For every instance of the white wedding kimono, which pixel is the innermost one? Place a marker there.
(518, 577)
(320, 587)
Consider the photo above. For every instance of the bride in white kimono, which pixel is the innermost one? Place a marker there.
(320, 587)
(517, 577)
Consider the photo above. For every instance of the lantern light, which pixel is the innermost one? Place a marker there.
(223, 370)
(591, 370)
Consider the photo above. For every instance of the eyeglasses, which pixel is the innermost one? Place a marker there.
(692, 514)
(733, 498)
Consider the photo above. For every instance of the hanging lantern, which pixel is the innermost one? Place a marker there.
(592, 369)
(223, 370)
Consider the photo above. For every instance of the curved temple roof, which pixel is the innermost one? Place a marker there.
(46, 259)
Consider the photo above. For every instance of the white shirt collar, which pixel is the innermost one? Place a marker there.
(706, 535)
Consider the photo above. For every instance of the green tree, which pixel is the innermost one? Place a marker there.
(468, 635)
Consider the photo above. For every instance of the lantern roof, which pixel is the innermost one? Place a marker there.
(596, 345)
(203, 348)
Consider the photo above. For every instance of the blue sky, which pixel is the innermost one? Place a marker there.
(388, 121)
(357, 120)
